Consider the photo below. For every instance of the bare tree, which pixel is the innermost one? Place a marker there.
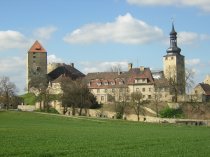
(189, 82)
(76, 95)
(115, 68)
(137, 103)
(157, 100)
(7, 91)
(120, 98)
(176, 81)
(38, 85)
(178, 86)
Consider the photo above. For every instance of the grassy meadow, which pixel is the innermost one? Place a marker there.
(38, 135)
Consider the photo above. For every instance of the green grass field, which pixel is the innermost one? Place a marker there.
(37, 135)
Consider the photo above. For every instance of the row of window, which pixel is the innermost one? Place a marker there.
(108, 83)
(141, 80)
(113, 90)
(143, 90)
(102, 98)
(127, 90)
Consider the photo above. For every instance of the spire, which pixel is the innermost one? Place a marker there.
(37, 47)
(173, 32)
(173, 42)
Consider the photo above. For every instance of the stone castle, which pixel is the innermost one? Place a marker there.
(106, 84)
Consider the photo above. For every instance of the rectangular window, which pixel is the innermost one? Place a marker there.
(105, 90)
(149, 89)
(121, 82)
(102, 98)
(106, 83)
(112, 83)
(143, 89)
(98, 83)
(98, 90)
(149, 96)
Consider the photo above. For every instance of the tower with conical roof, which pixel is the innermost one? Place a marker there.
(37, 62)
(174, 64)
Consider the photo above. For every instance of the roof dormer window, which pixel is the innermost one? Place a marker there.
(98, 83)
(113, 83)
(121, 82)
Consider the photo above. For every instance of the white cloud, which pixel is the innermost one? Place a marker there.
(126, 29)
(12, 39)
(15, 69)
(54, 59)
(89, 67)
(44, 32)
(202, 4)
(187, 38)
(193, 62)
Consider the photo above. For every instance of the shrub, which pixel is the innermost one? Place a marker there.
(96, 105)
(119, 115)
(171, 113)
(29, 98)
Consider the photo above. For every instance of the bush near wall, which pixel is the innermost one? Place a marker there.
(29, 99)
(171, 113)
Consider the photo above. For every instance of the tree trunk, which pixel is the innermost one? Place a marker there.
(80, 111)
(7, 101)
(40, 105)
(73, 110)
(156, 105)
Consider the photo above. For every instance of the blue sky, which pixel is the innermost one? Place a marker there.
(96, 35)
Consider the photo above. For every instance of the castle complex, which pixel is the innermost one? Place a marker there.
(107, 85)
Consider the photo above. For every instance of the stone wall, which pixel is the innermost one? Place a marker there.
(26, 107)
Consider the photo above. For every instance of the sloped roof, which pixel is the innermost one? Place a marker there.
(67, 70)
(161, 83)
(205, 87)
(60, 79)
(121, 79)
(37, 47)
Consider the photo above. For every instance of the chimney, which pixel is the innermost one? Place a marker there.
(142, 68)
(130, 65)
(72, 65)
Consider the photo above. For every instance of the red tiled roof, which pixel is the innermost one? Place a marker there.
(37, 47)
(120, 79)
